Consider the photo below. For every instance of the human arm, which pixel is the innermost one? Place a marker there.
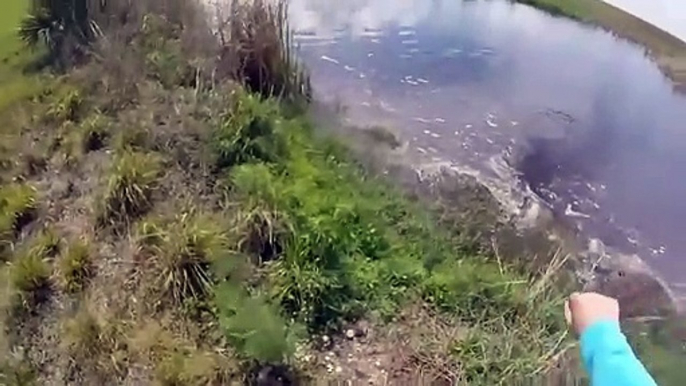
(605, 351)
(609, 359)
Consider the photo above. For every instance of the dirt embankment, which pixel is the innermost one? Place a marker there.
(668, 51)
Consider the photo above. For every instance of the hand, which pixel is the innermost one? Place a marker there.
(584, 309)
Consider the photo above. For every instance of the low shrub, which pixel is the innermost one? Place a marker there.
(130, 184)
(166, 64)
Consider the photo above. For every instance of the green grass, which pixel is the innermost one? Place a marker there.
(180, 253)
(14, 83)
(576, 9)
(344, 245)
(668, 51)
(75, 266)
(30, 275)
(17, 205)
(129, 186)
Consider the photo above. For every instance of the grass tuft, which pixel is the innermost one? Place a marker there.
(258, 48)
(48, 242)
(17, 206)
(94, 344)
(30, 276)
(180, 254)
(75, 266)
(176, 361)
(66, 108)
(130, 184)
(89, 135)
(262, 234)
(193, 367)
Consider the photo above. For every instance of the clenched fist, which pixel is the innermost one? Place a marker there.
(584, 309)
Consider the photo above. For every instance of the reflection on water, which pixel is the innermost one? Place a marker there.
(593, 125)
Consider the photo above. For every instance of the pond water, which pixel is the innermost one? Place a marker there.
(587, 119)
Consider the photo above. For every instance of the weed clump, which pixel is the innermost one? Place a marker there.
(130, 184)
(75, 266)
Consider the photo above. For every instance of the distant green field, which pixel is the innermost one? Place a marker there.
(668, 51)
(14, 83)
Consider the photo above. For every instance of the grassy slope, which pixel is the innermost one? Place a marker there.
(668, 51)
(242, 236)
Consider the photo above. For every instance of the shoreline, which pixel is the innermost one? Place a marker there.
(665, 49)
(509, 219)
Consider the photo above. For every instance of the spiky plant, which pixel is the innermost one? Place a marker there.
(75, 266)
(180, 254)
(60, 25)
(129, 186)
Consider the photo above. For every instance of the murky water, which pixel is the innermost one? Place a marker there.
(590, 122)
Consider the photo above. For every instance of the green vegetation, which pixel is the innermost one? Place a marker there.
(93, 343)
(75, 266)
(230, 240)
(129, 186)
(14, 84)
(17, 205)
(30, 275)
(63, 27)
(181, 253)
(576, 9)
(668, 51)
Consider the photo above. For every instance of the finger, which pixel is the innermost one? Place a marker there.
(568, 313)
(573, 300)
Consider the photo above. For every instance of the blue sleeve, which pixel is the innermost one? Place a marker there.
(609, 359)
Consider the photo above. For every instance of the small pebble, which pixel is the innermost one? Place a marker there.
(350, 334)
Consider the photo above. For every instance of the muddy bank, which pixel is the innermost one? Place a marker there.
(668, 51)
(503, 217)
